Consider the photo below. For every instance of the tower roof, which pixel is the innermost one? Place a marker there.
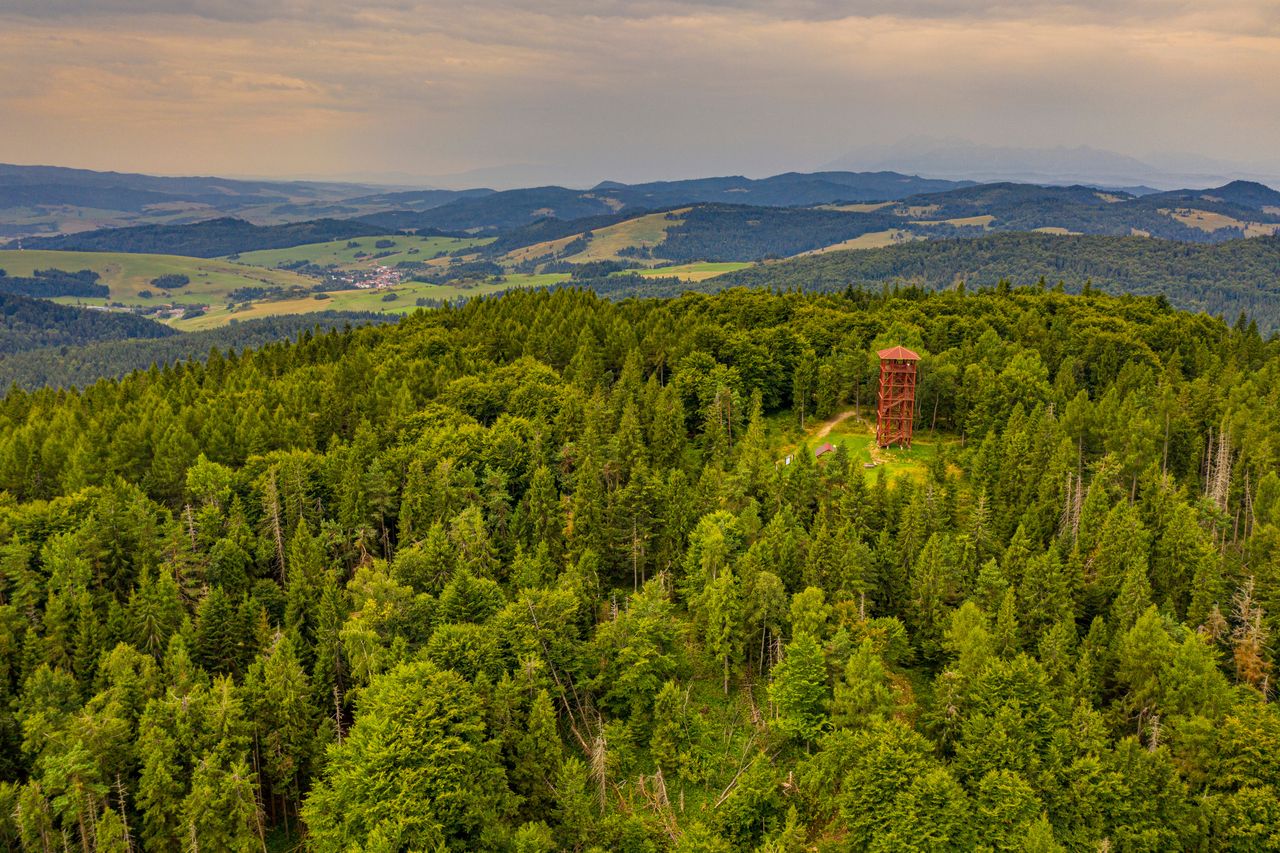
(897, 354)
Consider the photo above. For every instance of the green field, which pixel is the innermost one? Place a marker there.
(362, 252)
(858, 439)
(406, 299)
(212, 281)
(128, 275)
(695, 272)
(646, 231)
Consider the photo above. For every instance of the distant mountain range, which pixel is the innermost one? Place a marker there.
(963, 159)
(47, 200)
(731, 219)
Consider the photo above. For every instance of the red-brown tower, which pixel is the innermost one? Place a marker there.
(897, 412)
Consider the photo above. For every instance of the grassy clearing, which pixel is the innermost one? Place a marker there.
(693, 272)
(872, 240)
(857, 437)
(405, 301)
(362, 252)
(860, 207)
(212, 281)
(983, 220)
(646, 231)
(1209, 222)
(128, 275)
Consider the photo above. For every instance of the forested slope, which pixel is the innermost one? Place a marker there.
(1224, 279)
(526, 575)
(76, 362)
(31, 324)
(210, 239)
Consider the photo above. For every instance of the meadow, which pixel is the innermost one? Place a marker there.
(406, 296)
(129, 276)
(693, 272)
(362, 252)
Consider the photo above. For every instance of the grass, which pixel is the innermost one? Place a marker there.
(406, 301)
(984, 220)
(693, 272)
(359, 253)
(857, 437)
(212, 281)
(1209, 222)
(127, 275)
(645, 231)
(871, 240)
(859, 207)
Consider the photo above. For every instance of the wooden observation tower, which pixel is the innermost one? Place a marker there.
(897, 411)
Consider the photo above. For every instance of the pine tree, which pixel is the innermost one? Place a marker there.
(538, 756)
(722, 605)
(416, 768)
(863, 696)
(799, 689)
(278, 702)
(155, 611)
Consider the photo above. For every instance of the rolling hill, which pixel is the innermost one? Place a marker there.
(131, 280)
(518, 208)
(362, 253)
(1226, 278)
(209, 239)
(77, 365)
(31, 324)
(51, 200)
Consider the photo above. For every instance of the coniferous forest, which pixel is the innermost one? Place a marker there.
(530, 574)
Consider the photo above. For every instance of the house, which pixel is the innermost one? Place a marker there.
(827, 447)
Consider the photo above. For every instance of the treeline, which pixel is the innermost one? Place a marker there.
(31, 324)
(210, 239)
(547, 229)
(718, 232)
(1226, 279)
(1083, 210)
(132, 343)
(527, 575)
(46, 284)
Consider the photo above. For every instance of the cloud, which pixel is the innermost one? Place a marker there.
(613, 89)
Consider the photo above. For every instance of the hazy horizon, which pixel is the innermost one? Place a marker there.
(577, 93)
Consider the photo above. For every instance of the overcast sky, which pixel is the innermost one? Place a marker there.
(589, 89)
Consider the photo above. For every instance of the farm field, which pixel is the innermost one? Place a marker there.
(361, 252)
(872, 240)
(1209, 222)
(128, 275)
(374, 300)
(693, 272)
(213, 281)
(645, 231)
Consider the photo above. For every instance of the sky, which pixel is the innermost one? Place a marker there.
(581, 90)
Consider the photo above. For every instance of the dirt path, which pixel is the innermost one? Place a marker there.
(825, 430)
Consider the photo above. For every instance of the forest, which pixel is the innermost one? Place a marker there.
(1224, 279)
(46, 284)
(530, 574)
(209, 239)
(63, 346)
(724, 232)
(30, 324)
